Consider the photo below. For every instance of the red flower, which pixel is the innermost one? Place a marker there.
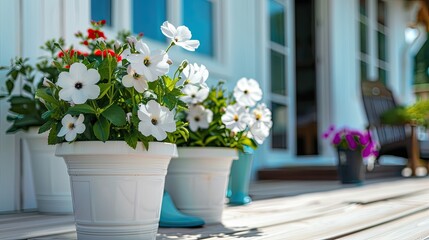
(102, 22)
(71, 53)
(104, 53)
(85, 43)
(94, 34)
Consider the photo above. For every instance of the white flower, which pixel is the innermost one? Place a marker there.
(71, 127)
(156, 120)
(150, 65)
(132, 79)
(194, 94)
(128, 116)
(117, 44)
(196, 75)
(258, 132)
(262, 115)
(247, 92)
(180, 36)
(100, 41)
(131, 40)
(236, 118)
(79, 84)
(261, 123)
(47, 82)
(126, 53)
(199, 117)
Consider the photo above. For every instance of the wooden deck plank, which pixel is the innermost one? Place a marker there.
(411, 227)
(349, 211)
(24, 226)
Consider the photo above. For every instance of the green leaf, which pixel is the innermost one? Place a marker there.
(102, 129)
(170, 101)
(52, 137)
(46, 114)
(27, 121)
(104, 88)
(249, 142)
(169, 83)
(46, 126)
(106, 68)
(28, 88)
(20, 100)
(9, 85)
(81, 108)
(57, 65)
(42, 93)
(115, 115)
(131, 139)
(210, 139)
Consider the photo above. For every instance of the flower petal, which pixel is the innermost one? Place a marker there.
(168, 30)
(127, 81)
(78, 70)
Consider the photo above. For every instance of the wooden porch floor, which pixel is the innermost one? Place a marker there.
(387, 209)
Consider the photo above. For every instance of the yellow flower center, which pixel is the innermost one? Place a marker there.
(236, 117)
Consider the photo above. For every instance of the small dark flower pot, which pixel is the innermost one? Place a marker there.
(350, 166)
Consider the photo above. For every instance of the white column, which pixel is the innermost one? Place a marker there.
(9, 152)
(346, 101)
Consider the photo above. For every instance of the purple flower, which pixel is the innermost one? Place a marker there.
(351, 141)
(364, 139)
(369, 150)
(337, 138)
(325, 135)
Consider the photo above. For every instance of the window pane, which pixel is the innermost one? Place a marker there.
(363, 37)
(363, 71)
(382, 75)
(148, 17)
(278, 74)
(277, 22)
(102, 10)
(362, 5)
(279, 129)
(381, 10)
(381, 46)
(198, 17)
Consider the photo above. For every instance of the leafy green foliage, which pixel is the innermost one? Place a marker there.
(216, 135)
(113, 114)
(417, 113)
(25, 110)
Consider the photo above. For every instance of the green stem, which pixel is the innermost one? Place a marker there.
(171, 44)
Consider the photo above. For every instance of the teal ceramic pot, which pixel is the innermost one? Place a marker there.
(239, 180)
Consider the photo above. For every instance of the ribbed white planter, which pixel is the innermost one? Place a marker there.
(117, 191)
(197, 180)
(51, 181)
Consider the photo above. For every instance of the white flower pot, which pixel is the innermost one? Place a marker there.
(51, 181)
(117, 191)
(197, 180)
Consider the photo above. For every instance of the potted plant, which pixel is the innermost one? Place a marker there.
(51, 182)
(220, 123)
(352, 146)
(112, 115)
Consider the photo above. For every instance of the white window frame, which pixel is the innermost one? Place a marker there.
(371, 58)
(274, 157)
